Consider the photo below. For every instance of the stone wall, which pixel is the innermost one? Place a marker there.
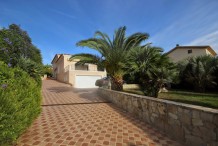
(131, 86)
(188, 124)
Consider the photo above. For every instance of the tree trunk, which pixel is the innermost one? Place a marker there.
(152, 88)
(199, 88)
(117, 84)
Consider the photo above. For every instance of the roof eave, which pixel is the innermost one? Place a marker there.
(56, 55)
(212, 51)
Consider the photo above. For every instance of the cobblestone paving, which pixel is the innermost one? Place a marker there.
(81, 118)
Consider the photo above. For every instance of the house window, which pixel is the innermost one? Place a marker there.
(189, 51)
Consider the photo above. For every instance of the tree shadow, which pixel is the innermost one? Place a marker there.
(89, 94)
(152, 133)
(60, 89)
(91, 97)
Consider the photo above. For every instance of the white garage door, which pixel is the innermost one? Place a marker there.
(86, 81)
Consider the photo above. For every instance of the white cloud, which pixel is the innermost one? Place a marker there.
(209, 39)
(194, 26)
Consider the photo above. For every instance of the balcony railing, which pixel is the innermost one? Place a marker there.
(73, 68)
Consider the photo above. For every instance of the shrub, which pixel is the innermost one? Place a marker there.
(32, 68)
(154, 69)
(199, 71)
(20, 98)
(47, 69)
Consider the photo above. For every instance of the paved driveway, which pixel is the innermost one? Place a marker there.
(81, 118)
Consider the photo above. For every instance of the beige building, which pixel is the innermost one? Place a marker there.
(79, 76)
(182, 52)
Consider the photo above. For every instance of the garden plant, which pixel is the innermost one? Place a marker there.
(113, 53)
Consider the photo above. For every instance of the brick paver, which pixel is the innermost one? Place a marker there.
(81, 118)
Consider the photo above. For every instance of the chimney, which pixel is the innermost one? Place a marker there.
(177, 45)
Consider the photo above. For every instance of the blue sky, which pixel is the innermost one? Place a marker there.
(56, 25)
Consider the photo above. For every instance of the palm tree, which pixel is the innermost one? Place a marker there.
(215, 74)
(153, 68)
(113, 53)
(199, 71)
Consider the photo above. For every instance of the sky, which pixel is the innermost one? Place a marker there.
(55, 26)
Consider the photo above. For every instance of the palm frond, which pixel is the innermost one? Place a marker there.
(104, 36)
(199, 71)
(119, 37)
(90, 43)
(88, 58)
(135, 40)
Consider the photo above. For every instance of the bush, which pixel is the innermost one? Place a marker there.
(32, 68)
(20, 98)
(199, 71)
(47, 69)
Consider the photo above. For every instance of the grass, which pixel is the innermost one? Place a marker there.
(202, 99)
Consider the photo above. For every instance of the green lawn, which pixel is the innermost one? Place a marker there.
(202, 99)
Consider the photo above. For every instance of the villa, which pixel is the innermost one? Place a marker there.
(79, 76)
(182, 52)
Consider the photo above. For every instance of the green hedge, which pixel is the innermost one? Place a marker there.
(20, 98)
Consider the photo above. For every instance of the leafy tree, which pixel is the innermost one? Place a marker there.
(32, 68)
(215, 74)
(34, 54)
(199, 71)
(131, 78)
(153, 68)
(47, 69)
(114, 53)
(16, 43)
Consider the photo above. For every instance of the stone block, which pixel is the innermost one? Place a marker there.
(186, 119)
(146, 117)
(135, 111)
(176, 132)
(139, 102)
(187, 129)
(172, 108)
(153, 106)
(187, 111)
(196, 132)
(180, 109)
(194, 141)
(161, 108)
(207, 116)
(197, 122)
(212, 144)
(173, 116)
(130, 107)
(215, 119)
(140, 115)
(173, 122)
(134, 102)
(195, 114)
(154, 117)
(208, 134)
(210, 125)
(216, 130)
(144, 104)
